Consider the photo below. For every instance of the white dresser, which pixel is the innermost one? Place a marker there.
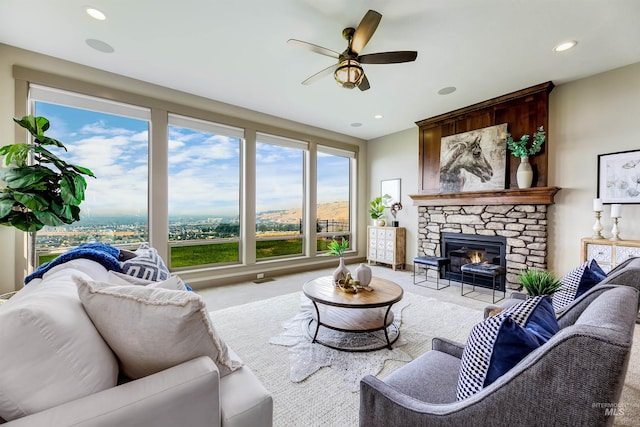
(609, 253)
(386, 245)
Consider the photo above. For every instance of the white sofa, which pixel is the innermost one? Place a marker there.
(58, 371)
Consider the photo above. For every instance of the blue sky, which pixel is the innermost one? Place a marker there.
(204, 169)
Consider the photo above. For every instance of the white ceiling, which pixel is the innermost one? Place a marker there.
(236, 51)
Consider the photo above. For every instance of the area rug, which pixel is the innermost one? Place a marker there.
(306, 358)
(321, 399)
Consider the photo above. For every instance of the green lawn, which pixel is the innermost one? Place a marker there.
(186, 256)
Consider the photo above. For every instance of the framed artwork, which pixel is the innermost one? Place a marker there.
(392, 188)
(474, 161)
(619, 177)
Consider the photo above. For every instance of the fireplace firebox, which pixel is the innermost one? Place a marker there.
(469, 248)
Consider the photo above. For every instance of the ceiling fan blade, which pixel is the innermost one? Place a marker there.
(364, 84)
(388, 57)
(314, 48)
(320, 74)
(365, 30)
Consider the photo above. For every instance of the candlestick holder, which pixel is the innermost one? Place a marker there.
(597, 227)
(615, 231)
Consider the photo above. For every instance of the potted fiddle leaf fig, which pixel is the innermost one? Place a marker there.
(38, 188)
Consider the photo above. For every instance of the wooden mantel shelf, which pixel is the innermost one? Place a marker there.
(518, 196)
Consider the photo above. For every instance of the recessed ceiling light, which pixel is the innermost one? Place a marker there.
(446, 90)
(565, 46)
(95, 13)
(356, 125)
(378, 116)
(100, 45)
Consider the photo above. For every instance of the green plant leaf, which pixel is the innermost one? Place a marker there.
(31, 201)
(22, 178)
(25, 221)
(80, 185)
(48, 218)
(6, 206)
(17, 153)
(45, 140)
(35, 125)
(82, 170)
(68, 190)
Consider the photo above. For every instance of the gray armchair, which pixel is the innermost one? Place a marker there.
(626, 273)
(557, 384)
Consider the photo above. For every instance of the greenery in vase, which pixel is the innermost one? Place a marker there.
(377, 206)
(337, 248)
(47, 192)
(539, 282)
(520, 149)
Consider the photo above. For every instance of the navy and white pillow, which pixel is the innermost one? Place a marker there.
(498, 343)
(576, 283)
(147, 264)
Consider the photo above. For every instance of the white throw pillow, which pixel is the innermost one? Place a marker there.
(50, 351)
(173, 283)
(151, 329)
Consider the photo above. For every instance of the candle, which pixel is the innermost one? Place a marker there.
(597, 205)
(615, 211)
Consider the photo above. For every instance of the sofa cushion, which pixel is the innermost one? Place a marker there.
(576, 283)
(51, 352)
(151, 329)
(147, 264)
(498, 343)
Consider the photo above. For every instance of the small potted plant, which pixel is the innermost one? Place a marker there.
(337, 249)
(376, 209)
(539, 282)
(520, 149)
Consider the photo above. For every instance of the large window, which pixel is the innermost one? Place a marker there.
(279, 196)
(334, 170)
(112, 140)
(204, 192)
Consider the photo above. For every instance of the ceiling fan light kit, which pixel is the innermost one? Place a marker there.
(348, 72)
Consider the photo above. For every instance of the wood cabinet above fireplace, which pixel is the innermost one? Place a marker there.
(523, 111)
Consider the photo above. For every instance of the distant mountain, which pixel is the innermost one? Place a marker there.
(336, 211)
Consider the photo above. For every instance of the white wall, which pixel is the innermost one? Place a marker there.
(396, 156)
(595, 115)
(591, 116)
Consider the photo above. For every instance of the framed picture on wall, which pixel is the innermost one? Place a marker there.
(619, 177)
(392, 188)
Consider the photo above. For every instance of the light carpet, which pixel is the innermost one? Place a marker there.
(321, 399)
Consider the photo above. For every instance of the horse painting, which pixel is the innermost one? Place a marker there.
(467, 163)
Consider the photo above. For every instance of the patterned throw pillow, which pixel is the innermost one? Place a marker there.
(576, 283)
(498, 343)
(147, 264)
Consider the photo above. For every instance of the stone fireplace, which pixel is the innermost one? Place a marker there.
(522, 226)
(463, 248)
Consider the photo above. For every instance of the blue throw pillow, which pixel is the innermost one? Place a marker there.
(147, 264)
(576, 283)
(498, 343)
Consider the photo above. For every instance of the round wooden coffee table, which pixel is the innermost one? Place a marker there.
(365, 311)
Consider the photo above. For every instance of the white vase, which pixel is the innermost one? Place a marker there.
(363, 274)
(340, 272)
(524, 175)
(380, 222)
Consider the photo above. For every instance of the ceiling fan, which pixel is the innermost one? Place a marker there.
(348, 72)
